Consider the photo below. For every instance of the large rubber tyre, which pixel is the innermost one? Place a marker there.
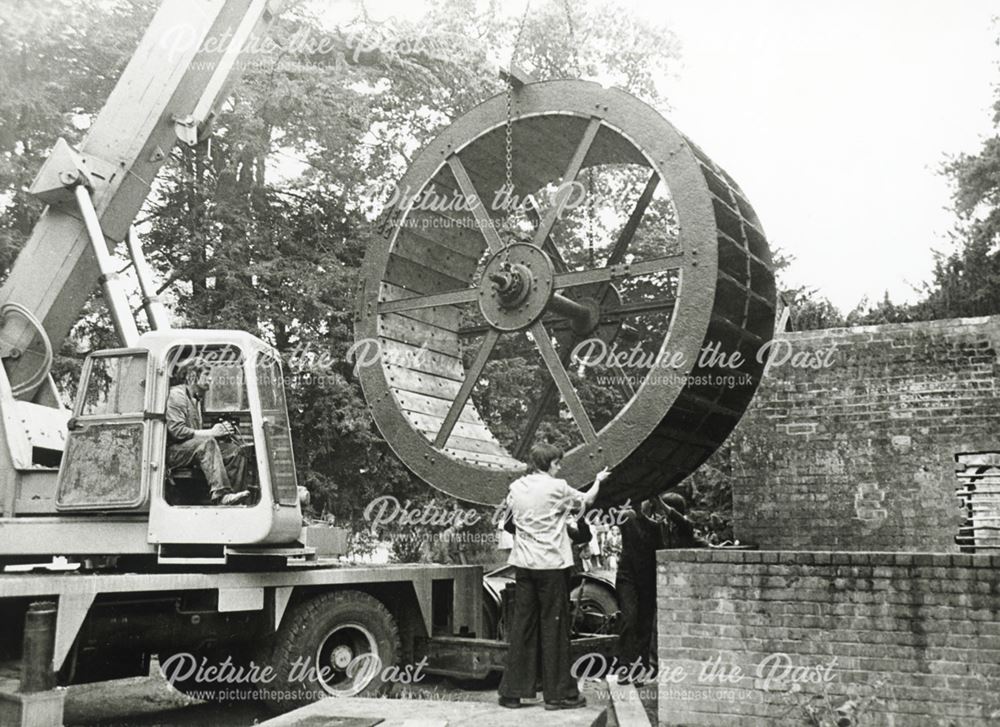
(332, 630)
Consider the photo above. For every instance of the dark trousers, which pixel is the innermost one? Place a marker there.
(223, 463)
(636, 643)
(538, 639)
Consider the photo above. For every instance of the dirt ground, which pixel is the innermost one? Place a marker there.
(151, 702)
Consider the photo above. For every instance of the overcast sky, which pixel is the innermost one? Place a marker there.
(835, 117)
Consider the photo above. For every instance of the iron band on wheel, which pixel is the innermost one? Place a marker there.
(437, 268)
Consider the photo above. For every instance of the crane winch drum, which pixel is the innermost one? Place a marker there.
(622, 311)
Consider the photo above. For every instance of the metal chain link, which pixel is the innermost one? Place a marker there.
(511, 223)
(591, 221)
(508, 131)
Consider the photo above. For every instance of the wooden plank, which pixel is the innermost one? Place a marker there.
(476, 432)
(427, 252)
(431, 321)
(488, 161)
(468, 444)
(458, 238)
(435, 406)
(405, 379)
(421, 359)
(470, 437)
(419, 278)
(416, 333)
(472, 375)
(472, 446)
(460, 235)
(541, 149)
(628, 707)
(550, 148)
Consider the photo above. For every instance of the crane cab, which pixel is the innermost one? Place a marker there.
(115, 458)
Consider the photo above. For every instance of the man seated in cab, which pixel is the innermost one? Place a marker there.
(221, 460)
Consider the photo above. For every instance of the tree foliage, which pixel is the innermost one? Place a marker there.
(265, 229)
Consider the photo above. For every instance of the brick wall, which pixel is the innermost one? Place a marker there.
(859, 455)
(910, 639)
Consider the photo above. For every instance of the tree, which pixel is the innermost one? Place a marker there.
(267, 232)
(966, 280)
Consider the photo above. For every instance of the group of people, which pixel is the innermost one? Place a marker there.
(546, 517)
(546, 513)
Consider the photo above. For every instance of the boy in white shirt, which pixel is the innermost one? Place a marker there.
(542, 506)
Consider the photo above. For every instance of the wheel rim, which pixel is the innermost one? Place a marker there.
(719, 284)
(347, 660)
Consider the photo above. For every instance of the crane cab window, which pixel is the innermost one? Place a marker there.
(116, 386)
(277, 433)
(102, 463)
(228, 390)
(214, 393)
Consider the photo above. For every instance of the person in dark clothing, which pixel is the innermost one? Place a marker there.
(660, 523)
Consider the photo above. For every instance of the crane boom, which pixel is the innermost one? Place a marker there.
(183, 66)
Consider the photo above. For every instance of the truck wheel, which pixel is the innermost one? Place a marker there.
(337, 644)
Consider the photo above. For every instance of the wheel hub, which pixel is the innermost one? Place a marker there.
(516, 287)
(342, 656)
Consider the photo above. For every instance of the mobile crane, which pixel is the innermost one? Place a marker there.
(89, 485)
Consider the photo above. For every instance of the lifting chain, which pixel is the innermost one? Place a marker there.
(511, 228)
(591, 217)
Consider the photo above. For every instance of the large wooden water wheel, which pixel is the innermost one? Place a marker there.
(591, 322)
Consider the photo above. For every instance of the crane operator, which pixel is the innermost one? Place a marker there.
(222, 460)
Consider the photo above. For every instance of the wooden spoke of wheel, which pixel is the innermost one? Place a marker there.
(558, 372)
(534, 417)
(452, 297)
(557, 323)
(483, 220)
(543, 402)
(537, 411)
(628, 231)
(572, 170)
(548, 245)
(471, 377)
(618, 272)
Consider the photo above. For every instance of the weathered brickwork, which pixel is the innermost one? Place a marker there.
(859, 455)
(908, 639)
